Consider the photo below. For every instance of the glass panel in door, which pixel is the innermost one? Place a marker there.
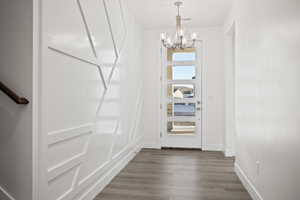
(181, 99)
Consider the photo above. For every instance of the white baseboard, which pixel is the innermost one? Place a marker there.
(229, 153)
(247, 183)
(151, 146)
(212, 147)
(114, 171)
(10, 197)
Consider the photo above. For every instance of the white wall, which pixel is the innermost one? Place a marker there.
(267, 86)
(213, 87)
(16, 120)
(88, 131)
(230, 118)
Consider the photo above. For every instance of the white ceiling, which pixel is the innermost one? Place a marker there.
(154, 14)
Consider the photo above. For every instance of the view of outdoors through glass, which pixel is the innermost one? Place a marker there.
(180, 72)
(184, 73)
(181, 91)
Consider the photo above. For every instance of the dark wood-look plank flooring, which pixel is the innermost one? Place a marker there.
(176, 175)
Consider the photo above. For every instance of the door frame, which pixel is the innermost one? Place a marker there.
(203, 97)
(36, 63)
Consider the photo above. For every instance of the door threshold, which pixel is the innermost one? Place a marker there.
(180, 148)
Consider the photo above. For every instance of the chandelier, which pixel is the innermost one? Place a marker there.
(180, 40)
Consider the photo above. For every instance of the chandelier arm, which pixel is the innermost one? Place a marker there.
(179, 41)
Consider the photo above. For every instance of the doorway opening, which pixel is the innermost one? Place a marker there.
(181, 98)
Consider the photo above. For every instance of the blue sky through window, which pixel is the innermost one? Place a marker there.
(184, 72)
(191, 56)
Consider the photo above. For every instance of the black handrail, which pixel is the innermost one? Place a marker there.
(13, 95)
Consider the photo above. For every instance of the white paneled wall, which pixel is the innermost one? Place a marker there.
(91, 95)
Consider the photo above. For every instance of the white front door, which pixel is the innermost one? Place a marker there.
(181, 98)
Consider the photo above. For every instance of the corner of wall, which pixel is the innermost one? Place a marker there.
(247, 183)
(229, 153)
(117, 165)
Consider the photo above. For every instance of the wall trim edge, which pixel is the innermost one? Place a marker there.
(114, 171)
(6, 193)
(247, 183)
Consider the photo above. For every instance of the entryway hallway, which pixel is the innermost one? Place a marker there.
(113, 100)
(176, 175)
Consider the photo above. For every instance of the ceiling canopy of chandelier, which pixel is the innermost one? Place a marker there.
(180, 39)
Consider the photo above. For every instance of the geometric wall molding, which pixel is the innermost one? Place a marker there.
(99, 107)
(68, 134)
(4, 192)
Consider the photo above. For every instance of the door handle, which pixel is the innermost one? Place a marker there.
(198, 108)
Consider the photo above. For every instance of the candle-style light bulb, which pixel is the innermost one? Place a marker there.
(169, 40)
(181, 33)
(184, 41)
(194, 36)
(163, 36)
